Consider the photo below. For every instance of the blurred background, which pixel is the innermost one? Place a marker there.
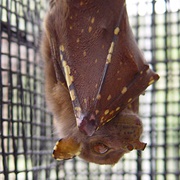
(26, 129)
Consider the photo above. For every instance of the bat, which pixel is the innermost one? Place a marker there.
(94, 75)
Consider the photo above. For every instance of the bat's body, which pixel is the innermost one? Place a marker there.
(94, 76)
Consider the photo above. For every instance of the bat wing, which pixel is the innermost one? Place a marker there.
(102, 65)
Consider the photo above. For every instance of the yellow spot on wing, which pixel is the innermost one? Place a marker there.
(102, 118)
(61, 57)
(112, 112)
(77, 40)
(116, 31)
(69, 79)
(130, 100)
(109, 120)
(98, 97)
(92, 20)
(77, 109)
(124, 90)
(106, 112)
(84, 53)
(62, 48)
(64, 63)
(111, 49)
(72, 94)
(90, 29)
(109, 97)
(109, 56)
(68, 69)
(130, 106)
(118, 108)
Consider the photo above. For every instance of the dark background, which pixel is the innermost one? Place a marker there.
(26, 127)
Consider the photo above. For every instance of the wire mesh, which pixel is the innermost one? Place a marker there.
(26, 125)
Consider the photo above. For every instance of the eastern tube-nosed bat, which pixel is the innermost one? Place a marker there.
(94, 74)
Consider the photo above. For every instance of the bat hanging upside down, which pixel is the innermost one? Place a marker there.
(94, 75)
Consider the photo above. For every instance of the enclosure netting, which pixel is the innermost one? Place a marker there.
(26, 127)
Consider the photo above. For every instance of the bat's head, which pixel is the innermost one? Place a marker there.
(107, 145)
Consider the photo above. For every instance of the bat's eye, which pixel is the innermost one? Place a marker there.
(100, 148)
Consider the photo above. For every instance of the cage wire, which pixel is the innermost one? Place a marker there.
(26, 128)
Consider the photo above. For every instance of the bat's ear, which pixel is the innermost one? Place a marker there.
(66, 148)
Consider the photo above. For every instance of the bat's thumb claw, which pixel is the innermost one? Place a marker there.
(88, 125)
